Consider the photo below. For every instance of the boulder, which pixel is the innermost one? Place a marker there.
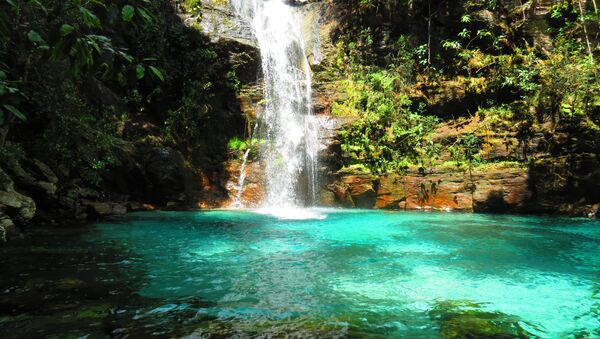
(104, 209)
(362, 189)
(219, 21)
(8, 230)
(232, 36)
(164, 169)
(152, 174)
(34, 177)
(15, 208)
(391, 193)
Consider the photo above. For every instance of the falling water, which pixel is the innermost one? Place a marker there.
(286, 121)
(237, 202)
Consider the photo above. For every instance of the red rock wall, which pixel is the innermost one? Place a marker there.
(491, 190)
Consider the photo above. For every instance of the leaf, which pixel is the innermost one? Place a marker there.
(12, 3)
(126, 56)
(15, 112)
(35, 37)
(158, 73)
(66, 29)
(127, 13)
(39, 5)
(91, 41)
(90, 18)
(140, 72)
(1, 117)
(148, 18)
(98, 2)
(2, 75)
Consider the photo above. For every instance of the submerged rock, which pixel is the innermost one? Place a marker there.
(463, 319)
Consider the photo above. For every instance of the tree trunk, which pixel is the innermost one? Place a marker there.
(429, 33)
(585, 31)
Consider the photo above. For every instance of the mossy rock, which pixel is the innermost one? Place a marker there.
(464, 319)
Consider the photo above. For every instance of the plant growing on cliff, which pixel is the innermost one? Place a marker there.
(466, 150)
(388, 135)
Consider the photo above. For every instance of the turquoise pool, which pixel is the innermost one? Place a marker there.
(323, 273)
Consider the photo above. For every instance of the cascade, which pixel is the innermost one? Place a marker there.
(237, 202)
(286, 122)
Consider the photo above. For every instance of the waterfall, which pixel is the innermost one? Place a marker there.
(237, 202)
(287, 124)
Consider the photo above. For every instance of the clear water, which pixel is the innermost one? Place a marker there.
(286, 120)
(337, 274)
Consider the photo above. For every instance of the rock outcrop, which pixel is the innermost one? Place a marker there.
(544, 187)
(16, 209)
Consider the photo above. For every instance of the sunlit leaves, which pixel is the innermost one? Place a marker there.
(146, 16)
(140, 72)
(127, 13)
(90, 18)
(66, 29)
(14, 111)
(157, 73)
(35, 37)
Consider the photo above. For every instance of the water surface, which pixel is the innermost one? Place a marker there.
(339, 274)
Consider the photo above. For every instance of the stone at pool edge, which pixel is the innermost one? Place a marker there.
(15, 208)
(106, 209)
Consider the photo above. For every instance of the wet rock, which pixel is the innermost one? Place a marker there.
(233, 38)
(362, 189)
(220, 22)
(18, 207)
(485, 190)
(155, 175)
(501, 190)
(327, 198)
(8, 230)
(439, 189)
(104, 209)
(463, 319)
(391, 193)
(35, 177)
(135, 206)
(253, 191)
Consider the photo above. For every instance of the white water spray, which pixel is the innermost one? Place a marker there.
(286, 122)
(237, 202)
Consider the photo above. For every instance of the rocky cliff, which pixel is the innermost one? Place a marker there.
(520, 168)
(539, 174)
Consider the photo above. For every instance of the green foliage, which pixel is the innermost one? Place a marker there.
(193, 6)
(72, 71)
(11, 152)
(466, 150)
(127, 13)
(76, 77)
(237, 144)
(388, 134)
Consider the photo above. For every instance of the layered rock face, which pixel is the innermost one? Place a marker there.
(498, 190)
(546, 186)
